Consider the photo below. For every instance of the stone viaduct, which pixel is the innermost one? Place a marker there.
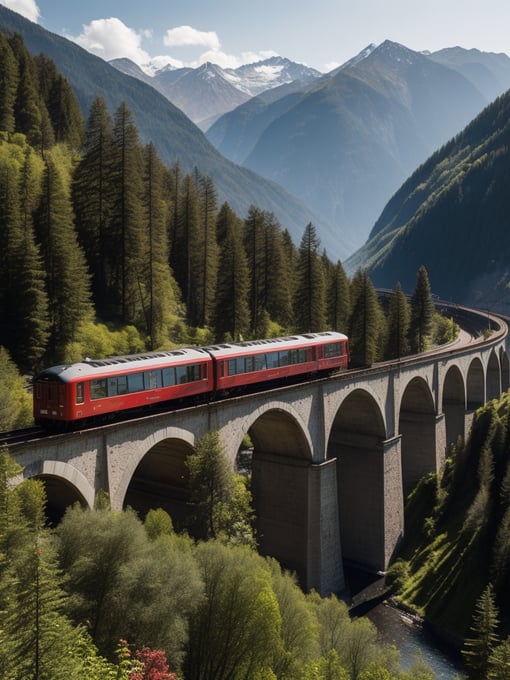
(333, 459)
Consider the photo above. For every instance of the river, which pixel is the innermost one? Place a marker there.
(368, 598)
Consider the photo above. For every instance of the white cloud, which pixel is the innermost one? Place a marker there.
(112, 39)
(27, 8)
(185, 36)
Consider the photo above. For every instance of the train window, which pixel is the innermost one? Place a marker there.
(182, 374)
(260, 362)
(332, 349)
(283, 358)
(168, 376)
(152, 380)
(249, 364)
(135, 382)
(122, 385)
(272, 359)
(232, 367)
(79, 393)
(98, 388)
(193, 372)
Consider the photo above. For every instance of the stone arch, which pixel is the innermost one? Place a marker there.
(475, 392)
(281, 463)
(505, 370)
(64, 485)
(417, 427)
(157, 477)
(454, 405)
(493, 377)
(356, 441)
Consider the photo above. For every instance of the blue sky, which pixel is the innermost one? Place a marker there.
(321, 33)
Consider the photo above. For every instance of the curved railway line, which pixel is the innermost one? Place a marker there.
(477, 327)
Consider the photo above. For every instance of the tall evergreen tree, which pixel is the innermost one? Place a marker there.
(479, 646)
(9, 79)
(338, 298)
(125, 235)
(187, 226)
(158, 282)
(67, 279)
(422, 312)
(365, 322)
(254, 240)
(310, 298)
(232, 313)
(61, 103)
(278, 287)
(29, 105)
(398, 325)
(92, 204)
(203, 256)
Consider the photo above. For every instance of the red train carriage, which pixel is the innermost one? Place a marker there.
(91, 389)
(246, 363)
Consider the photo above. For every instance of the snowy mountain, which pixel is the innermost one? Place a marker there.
(207, 92)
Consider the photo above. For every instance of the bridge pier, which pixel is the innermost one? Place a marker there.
(296, 507)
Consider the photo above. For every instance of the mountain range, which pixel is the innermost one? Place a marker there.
(175, 136)
(207, 92)
(398, 139)
(453, 216)
(345, 143)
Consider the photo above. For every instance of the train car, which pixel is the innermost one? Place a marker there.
(96, 389)
(241, 364)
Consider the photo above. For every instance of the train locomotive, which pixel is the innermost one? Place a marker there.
(94, 391)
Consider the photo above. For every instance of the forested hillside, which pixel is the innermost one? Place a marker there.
(175, 136)
(455, 558)
(452, 216)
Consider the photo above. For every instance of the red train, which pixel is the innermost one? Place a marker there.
(94, 390)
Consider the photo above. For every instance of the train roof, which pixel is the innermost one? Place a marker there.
(92, 368)
(272, 344)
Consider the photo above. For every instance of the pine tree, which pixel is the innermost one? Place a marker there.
(187, 226)
(28, 106)
(339, 298)
(398, 325)
(478, 648)
(61, 103)
(9, 79)
(310, 298)
(125, 235)
(158, 282)
(254, 239)
(92, 204)
(365, 323)
(232, 313)
(67, 278)
(422, 312)
(203, 256)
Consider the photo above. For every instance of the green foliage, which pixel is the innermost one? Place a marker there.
(457, 528)
(222, 499)
(366, 323)
(482, 641)
(422, 312)
(444, 329)
(15, 401)
(110, 559)
(96, 340)
(310, 293)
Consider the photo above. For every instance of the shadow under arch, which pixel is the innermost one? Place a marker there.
(60, 495)
(356, 441)
(505, 370)
(161, 480)
(475, 391)
(454, 405)
(493, 378)
(417, 427)
(281, 462)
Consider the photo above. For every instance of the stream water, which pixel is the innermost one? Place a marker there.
(368, 599)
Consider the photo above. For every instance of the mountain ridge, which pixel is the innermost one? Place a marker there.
(175, 136)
